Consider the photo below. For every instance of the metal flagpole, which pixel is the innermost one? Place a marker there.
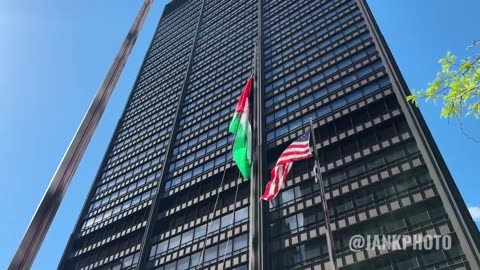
(318, 178)
(43, 217)
(255, 242)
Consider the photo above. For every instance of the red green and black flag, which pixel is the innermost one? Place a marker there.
(240, 126)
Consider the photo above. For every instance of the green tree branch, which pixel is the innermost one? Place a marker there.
(457, 86)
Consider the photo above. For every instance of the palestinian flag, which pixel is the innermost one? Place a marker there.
(242, 147)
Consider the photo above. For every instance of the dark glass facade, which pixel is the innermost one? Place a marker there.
(167, 190)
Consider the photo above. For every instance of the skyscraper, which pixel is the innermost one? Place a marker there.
(168, 196)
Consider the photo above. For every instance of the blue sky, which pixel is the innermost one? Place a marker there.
(54, 55)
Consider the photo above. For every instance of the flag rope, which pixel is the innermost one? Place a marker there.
(231, 225)
(201, 261)
(198, 266)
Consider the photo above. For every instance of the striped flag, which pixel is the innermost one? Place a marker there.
(298, 150)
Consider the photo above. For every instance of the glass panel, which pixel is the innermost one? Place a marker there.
(375, 163)
(302, 190)
(210, 253)
(225, 248)
(241, 214)
(183, 263)
(287, 196)
(117, 266)
(290, 257)
(200, 231)
(454, 252)
(240, 242)
(364, 199)
(309, 217)
(312, 250)
(214, 225)
(394, 225)
(174, 242)
(162, 247)
(300, 220)
(405, 184)
(170, 266)
(356, 169)
(416, 218)
(194, 259)
(128, 261)
(152, 251)
(290, 224)
(187, 236)
(430, 257)
(227, 220)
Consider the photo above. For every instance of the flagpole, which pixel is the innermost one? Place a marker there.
(256, 252)
(37, 229)
(318, 176)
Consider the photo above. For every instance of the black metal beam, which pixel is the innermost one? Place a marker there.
(156, 201)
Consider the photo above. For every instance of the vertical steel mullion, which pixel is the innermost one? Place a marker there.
(155, 204)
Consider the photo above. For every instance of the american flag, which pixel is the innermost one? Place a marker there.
(298, 150)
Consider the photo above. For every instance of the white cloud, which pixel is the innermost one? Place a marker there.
(475, 212)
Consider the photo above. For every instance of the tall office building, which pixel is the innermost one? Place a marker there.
(167, 190)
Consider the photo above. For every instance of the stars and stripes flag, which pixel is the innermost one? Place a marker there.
(298, 150)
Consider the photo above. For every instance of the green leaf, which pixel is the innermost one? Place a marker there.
(477, 75)
(412, 99)
(465, 65)
(433, 89)
(456, 85)
(448, 110)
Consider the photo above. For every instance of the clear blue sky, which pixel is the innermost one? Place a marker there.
(54, 55)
